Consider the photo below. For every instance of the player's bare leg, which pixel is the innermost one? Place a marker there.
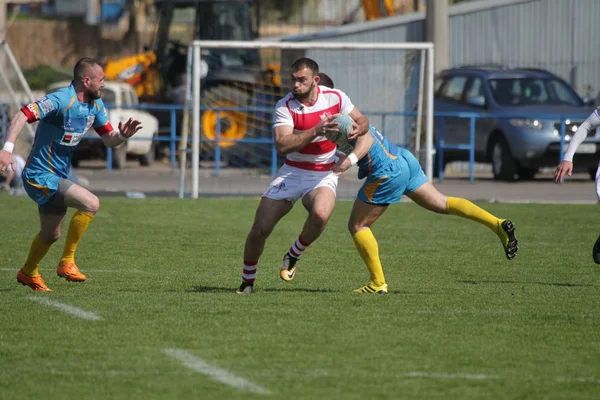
(268, 213)
(87, 205)
(362, 217)
(427, 196)
(50, 229)
(319, 203)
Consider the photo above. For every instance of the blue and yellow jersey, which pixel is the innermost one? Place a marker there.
(63, 123)
(380, 155)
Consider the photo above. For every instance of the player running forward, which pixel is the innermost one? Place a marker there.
(566, 166)
(301, 120)
(65, 116)
(391, 172)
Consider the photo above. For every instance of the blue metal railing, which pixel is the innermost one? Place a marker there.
(473, 117)
(440, 131)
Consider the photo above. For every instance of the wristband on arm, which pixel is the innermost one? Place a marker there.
(353, 158)
(9, 146)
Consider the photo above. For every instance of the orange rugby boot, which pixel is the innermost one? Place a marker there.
(36, 283)
(70, 272)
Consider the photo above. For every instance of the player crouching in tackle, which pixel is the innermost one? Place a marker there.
(65, 116)
(391, 172)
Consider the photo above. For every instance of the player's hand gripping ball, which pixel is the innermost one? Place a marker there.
(345, 126)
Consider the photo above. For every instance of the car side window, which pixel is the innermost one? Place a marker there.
(125, 97)
(109, 97)
(475, 89)
(454, 88)
(437, 84)
(134, 98)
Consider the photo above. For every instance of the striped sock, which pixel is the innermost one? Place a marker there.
(249, 272)
(298, 248)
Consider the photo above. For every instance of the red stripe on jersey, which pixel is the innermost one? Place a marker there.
(322, 147)
(309, 166)
(104, 129)
(308, 120)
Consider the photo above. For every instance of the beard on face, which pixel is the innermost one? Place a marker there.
(303, 96)
(95, 94)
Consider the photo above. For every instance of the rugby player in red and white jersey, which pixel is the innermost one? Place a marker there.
(301, 120)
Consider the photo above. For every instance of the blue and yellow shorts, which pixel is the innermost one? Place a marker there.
(387, 186)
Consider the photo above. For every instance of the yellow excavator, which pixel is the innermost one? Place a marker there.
(229, 77)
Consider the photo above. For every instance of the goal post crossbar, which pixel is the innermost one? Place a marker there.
(194, 53)
(259, 44)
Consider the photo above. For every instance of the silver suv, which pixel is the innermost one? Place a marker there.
(520, 124)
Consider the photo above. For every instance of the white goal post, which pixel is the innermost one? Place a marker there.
(425, 51)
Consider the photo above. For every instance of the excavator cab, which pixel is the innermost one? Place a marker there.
(182, 21)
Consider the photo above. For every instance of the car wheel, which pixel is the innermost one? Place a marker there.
(147, 159)
(592, 172)
(503, 164)
(527, 174)
(119, 157)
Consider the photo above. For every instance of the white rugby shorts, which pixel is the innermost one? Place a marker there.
(293, 183)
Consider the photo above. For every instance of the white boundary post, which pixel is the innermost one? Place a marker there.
(183, 143)
(429, 113)
(423, 55)
(195, 121)
(13, 62)
(198, 44)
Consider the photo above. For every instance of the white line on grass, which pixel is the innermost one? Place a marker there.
(199, 365)
(443, 375)
(469, 376)
(75, 311)
(582, 380)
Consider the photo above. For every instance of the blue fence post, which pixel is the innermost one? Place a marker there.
(109, 157)
(563, 128)
(472, 149)
(218, 146)
(4, 122)
(173, 136)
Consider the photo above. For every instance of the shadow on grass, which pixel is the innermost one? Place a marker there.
(215, 289)
(473, 282)
(298, 290)
(210, 289)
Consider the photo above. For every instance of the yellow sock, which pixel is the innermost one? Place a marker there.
(369, 251)
(37, 251)
(77, 228)
(466, 209)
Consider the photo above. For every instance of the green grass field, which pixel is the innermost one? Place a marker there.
(158, 317)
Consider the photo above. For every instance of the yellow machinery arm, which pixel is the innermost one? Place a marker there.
(373, 8)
